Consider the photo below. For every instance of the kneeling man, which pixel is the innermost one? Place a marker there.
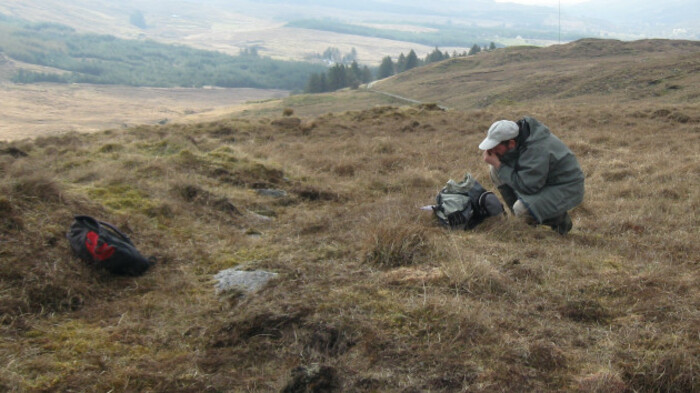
(538, 177)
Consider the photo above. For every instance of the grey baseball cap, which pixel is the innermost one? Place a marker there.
(499, 131)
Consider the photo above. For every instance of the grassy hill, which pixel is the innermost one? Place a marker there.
(584, 71)
(587, 72)
(372, 295)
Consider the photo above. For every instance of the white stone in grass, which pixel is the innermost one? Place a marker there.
(271, 192)
(241, 280)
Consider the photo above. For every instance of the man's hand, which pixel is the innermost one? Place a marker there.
(492, 159)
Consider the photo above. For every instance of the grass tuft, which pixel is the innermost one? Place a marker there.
(10, 219)
(673, 370)
(312, 193)
(37, 186)
(121, 197)
(394, 244)
(602, 382)
(546, 356)
(586, 310)
(476, 277)
(110, 148)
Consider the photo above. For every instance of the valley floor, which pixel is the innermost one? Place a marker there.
(30, 111)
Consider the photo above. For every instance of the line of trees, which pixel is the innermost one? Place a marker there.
(403, 63)
(340, 76)
(333, 55)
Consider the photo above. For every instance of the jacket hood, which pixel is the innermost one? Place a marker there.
(531, 130)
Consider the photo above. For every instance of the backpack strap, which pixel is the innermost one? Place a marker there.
(490, 205)
(95, 224)
(116, 231)
(482, 202)
(88, 222)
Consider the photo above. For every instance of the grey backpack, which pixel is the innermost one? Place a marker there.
(466, 204)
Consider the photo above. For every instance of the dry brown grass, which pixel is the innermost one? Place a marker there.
(582, 73)
(373, 295)
(30, 111)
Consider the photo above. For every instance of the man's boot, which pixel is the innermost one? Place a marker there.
(562, 224)
(508, 195)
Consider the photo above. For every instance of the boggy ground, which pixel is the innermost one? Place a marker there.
(372, 295)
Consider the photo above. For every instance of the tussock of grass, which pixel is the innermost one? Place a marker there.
(586, 311)
(29, 184)
(313, 193)
(393, 244)
(662, 370)
(602, 382)
(197, 195)
(120, 197)
(10, 219)
(32, 281)
(476, 278)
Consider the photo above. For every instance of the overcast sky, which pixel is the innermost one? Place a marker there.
(542, 2)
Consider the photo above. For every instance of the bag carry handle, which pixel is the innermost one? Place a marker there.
(114, 229)
(117, 231)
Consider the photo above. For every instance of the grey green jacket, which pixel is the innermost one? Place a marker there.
(542, 171)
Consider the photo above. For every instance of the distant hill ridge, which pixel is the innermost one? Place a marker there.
(666, 69)
(592, 47)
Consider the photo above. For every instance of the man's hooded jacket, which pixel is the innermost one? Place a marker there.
(542, 171)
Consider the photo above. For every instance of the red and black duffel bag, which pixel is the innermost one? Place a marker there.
(103, 245)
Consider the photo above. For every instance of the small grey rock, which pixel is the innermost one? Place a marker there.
(244, 281)
(271, 192)
(260, 217)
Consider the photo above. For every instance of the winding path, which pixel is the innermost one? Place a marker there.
(398, 97)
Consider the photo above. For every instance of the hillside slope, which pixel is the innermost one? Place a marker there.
(372, 295)
(212, 25)
(583, 71)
